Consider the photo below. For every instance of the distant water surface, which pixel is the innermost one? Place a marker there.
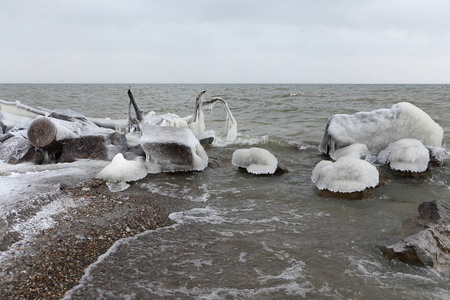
(269, 237)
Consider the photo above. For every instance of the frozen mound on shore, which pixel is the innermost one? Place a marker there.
(378, 128)
(406, 155)
(255, 160)
(346, 175)
(121, 169)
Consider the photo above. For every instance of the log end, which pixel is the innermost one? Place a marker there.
(41, 132)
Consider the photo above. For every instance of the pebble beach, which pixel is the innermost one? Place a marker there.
(55, 260)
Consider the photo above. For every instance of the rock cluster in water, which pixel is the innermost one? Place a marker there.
(403, 137)
(429, 243)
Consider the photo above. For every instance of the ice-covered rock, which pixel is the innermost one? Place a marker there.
(255, 160)
(172, 148)
(346, 175)
(356, 150)
(378, 128)
(406, 155)
(124, 170)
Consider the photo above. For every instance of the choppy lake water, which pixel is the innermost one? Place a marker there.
(262, 237)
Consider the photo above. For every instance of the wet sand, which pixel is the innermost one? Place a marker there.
(55, 260)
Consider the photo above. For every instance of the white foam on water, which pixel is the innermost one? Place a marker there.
(199, 215)
(177, 191)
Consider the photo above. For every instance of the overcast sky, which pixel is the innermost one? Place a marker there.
(229, 41)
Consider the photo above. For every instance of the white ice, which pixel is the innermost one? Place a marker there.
(380, 127)
(356, 150)
(255, 160)
(152, 134)
(121, 169)
(346, 175)
(406, 155)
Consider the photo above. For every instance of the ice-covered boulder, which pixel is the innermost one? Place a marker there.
(346, 175)
(255, 160)
(378, 128)
(121, 169)
(408, 155)
(356, 150)
(172, 148)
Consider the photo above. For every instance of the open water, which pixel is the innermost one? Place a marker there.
(262, 237)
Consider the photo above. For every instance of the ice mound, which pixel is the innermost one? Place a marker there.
(255, 160)
(346, 175)
(172, 148)
(356, 150)
(379, 128)
(406, 155)
(121, 169)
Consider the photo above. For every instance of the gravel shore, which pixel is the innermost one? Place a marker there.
(54, 261)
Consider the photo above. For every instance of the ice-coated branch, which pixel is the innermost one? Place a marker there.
(138, 111)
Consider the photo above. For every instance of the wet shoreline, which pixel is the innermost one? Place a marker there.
(55, 259)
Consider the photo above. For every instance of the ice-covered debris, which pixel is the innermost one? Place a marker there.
(406, 155)
(379, 128)
(356, 150)
(346, 175)
(20, 109)
(117, 186)
(172, 148)
(230, 124)
(121, 169)
(255, 160)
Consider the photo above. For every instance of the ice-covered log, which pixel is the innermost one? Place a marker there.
(172, 148)
(429, 245)
(380, 127)
(43, 132)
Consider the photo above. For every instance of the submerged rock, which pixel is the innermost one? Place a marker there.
(429, 244)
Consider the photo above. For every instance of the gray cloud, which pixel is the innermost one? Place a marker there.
(226, 41)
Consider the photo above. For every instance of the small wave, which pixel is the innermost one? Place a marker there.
(199, 215)
(242, 141)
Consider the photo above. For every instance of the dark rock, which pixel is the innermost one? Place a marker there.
(17, 149)
(365, 194)
(434, 211)
(103, 147)
(429, 244)
(172, 149)
(207, 141)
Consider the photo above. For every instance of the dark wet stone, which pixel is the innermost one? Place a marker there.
(429, 242)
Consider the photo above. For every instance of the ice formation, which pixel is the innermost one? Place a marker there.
(406, 155)
(255, 160)
(121, 169)
(346, 175)
(380, 127)
(230, 124)
(356, 150)
(172, 148)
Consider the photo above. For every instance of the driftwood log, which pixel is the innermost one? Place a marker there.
(41, 132)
